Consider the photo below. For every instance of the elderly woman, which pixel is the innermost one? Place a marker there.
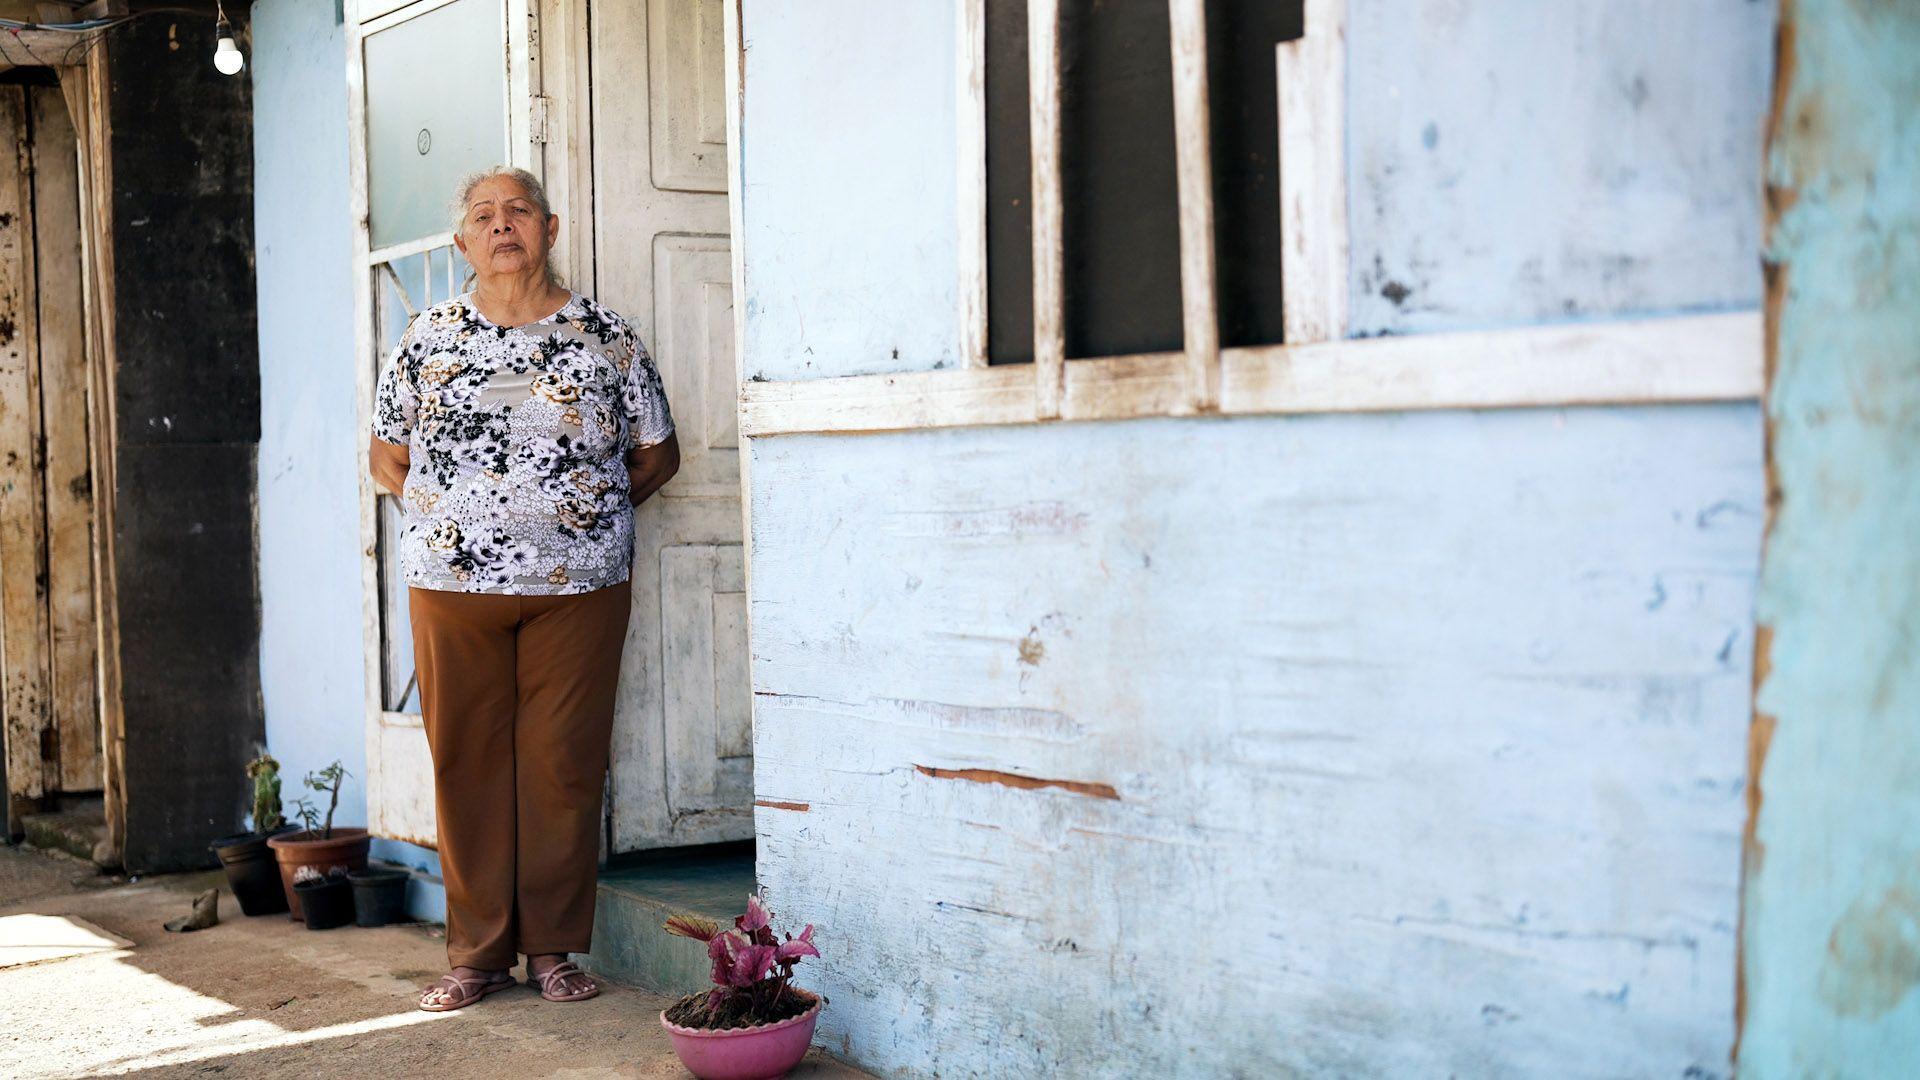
(520, 423)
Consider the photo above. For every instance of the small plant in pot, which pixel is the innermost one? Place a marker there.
(754, 1024)
(252, 872)
(319, 844)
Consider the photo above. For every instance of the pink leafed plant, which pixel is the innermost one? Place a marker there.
(751, 971)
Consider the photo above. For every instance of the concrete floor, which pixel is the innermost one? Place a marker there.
(267, 997)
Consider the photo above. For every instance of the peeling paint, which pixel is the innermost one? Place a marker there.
(776, 804)
(1015, 780)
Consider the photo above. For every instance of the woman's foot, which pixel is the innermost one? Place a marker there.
(559, 979)
(462, 987)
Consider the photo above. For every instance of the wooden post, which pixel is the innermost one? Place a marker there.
(970, 117)
(31, 753)
(1049, 260)
(1194, 168)
(67, 476)
(1310, 72)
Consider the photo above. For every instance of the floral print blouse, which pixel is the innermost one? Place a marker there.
(517, 438)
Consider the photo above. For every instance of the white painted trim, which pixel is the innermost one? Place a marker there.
(970, 121)
(373, 24)
(522, 151)
(365, 359)
(396, 252)
(1199, 319)
(1049, 253)
(1311, 74)
(1648, 361)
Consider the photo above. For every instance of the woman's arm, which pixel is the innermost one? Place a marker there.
(650, 468)
(388, 463)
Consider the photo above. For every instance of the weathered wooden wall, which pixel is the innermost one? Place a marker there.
(849, 137)
(1395, 744)
(1514, 161)
(1832, 931)
(1358, 745)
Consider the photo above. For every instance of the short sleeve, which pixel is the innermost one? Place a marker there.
(642, 397)
(395, 403)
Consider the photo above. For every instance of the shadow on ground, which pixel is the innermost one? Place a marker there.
(266, 997)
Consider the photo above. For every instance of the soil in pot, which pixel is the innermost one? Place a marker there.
(252, 872)
(379, 895)
(750, 1052)
(346, 851)
(325, 902)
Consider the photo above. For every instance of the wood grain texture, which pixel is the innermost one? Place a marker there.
(68, 474)
(1435, 722)
(1200, 319)
(970, 162)
(1049, 235)
(1698, 358)
(1311, 79)
(26, 701)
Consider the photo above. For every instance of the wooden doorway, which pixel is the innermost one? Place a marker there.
(48, 640)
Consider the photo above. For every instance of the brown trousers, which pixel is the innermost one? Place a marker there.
(517, 695)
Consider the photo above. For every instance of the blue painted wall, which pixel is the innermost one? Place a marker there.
(311, 671)
(1832, 934)
(1344, 745)
(850, 188)
(1521, 161)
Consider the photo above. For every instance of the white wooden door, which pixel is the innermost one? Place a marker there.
(682, 765)
(424, 108)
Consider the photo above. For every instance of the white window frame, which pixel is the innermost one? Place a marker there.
(1678, 359)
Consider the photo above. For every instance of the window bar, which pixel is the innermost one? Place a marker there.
(972, 123)
(426, 275)
(1194, 165)
(405, 301)
(1049, 292)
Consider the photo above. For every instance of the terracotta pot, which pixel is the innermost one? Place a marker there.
(762, 1052)
(346, 849)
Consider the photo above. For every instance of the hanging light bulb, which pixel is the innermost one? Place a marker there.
(226, 54)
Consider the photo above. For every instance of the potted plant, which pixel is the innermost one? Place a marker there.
(320, 846)
(326, 899)
(379, 895)
(252, 872)
(754, 1024)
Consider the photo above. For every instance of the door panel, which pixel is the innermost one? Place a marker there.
(709, 735)
(682, 770)
(688, 108)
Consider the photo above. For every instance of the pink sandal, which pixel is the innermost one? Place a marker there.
(450, 982)
(544, 982)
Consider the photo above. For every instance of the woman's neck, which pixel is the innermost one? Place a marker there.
(515, 300)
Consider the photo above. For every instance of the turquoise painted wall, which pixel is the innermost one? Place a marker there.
(311, 673)
(1832, 934)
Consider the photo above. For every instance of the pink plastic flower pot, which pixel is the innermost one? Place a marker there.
(763, 1052)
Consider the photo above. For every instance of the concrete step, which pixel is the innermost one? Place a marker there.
(636, 897)
(78, 826)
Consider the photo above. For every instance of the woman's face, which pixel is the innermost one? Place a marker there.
(503, 233)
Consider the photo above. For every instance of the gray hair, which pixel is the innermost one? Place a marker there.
(529, 184)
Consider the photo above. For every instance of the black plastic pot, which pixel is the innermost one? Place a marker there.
(325, 902)
(253, 873)
(379, 895)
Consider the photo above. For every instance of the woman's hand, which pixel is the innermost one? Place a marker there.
(389, 463)
(650, 468)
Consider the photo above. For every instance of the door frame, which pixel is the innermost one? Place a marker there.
(397, 808)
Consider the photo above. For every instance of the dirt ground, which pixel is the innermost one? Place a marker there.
(266, 997)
